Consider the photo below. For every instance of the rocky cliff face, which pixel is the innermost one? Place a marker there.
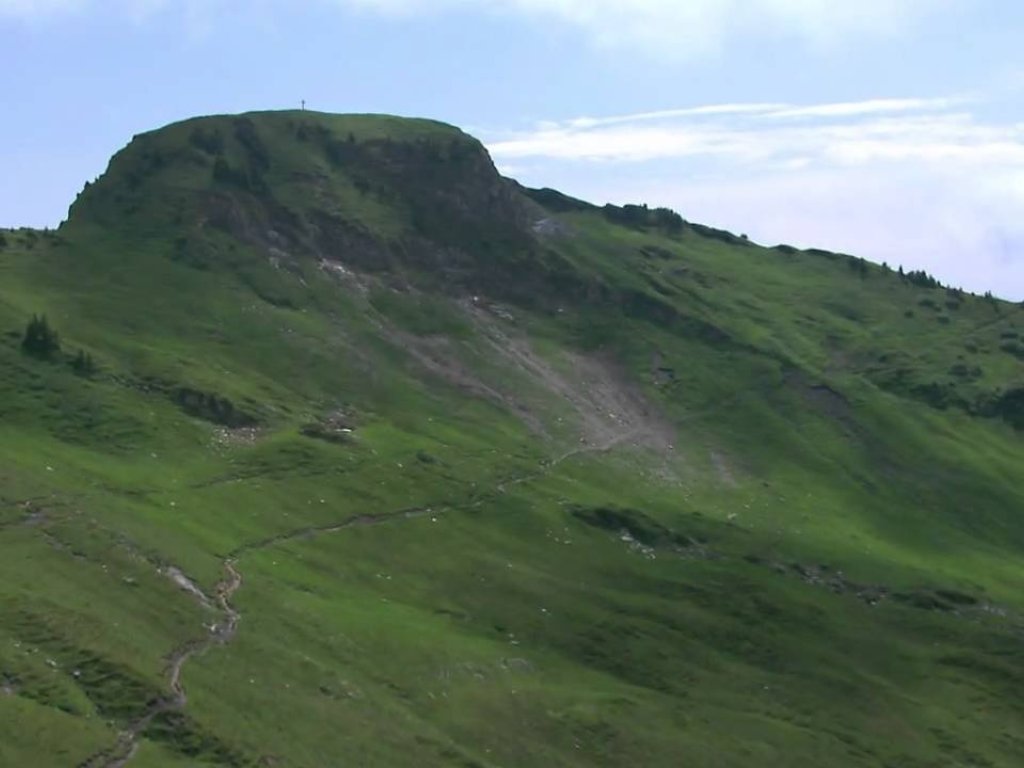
(378, 194)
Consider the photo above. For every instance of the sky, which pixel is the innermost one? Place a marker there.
(889, 129)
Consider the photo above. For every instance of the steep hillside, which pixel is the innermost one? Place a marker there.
(351, 451)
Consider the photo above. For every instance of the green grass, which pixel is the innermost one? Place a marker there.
(824, 569)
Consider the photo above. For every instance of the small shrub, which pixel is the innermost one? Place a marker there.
(670, 221)
(223, 173)
(211, 407)
(964, 371)
(40, 339)
(211, 142)
(1010, 406)
(717, 234)
(1013, 348)
(83, 364)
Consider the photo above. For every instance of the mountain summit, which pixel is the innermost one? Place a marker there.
(383, 192)
(326, 444)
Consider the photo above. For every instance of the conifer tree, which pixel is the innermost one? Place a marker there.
(40, 339)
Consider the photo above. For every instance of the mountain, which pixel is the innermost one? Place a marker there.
(324, 444)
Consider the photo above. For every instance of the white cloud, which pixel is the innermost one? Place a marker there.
(869, 107)
(685, 28)
(675, 28)
(32, 8)
(712, 109)
(920, 182)
(744, 135)
(198, 18)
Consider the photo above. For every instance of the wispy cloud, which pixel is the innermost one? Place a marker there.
(919, 181)
(844, 133)
(709, 110)
(869, 107)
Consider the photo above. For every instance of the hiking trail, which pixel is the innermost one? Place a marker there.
(224, 631)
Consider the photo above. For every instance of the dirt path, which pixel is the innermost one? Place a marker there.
(224, 631)
(121, 753)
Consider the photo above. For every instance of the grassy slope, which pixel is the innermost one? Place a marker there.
(501, 628)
